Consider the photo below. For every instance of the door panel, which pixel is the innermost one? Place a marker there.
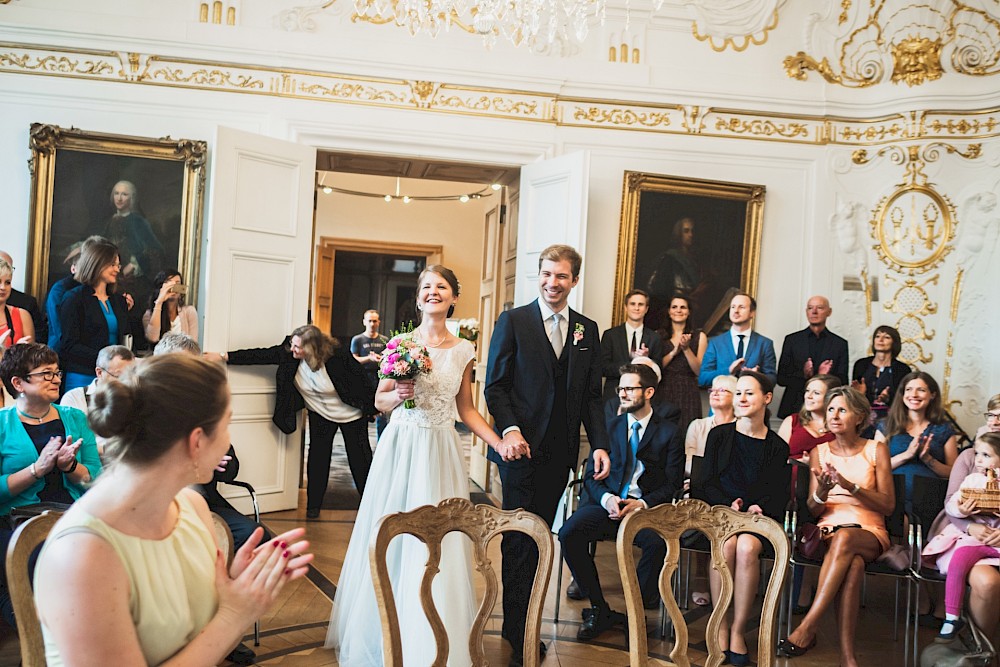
(553, 209)
(258, 245)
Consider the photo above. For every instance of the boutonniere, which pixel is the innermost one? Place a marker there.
(577, 333)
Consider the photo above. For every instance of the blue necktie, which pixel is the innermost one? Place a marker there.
(633, 445)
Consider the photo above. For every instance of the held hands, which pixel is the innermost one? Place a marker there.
(374, 356)
(736, 366)
(258, 574)
(738, 506)
(643, 351)
(919, 446)
(684, 342)
(826, 366)
(602, 464)
(619, 508)
(513, 446)
(807, 369)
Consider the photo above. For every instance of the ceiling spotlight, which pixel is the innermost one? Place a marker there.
(406, 199)
(463, 198)
(327, 189)
(495, 187)
(388, 198)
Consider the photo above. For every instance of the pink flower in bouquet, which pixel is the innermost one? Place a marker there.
(407, 360)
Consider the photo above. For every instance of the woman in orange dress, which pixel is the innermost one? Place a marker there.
(851, 492)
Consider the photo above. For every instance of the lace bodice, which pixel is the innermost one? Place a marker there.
(435, 392)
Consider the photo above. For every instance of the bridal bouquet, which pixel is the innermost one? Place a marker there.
(404, 359)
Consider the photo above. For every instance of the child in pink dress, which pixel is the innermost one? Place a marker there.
(954, 552)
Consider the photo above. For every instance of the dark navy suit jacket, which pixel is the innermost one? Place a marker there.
(521, 373)
(661, 452)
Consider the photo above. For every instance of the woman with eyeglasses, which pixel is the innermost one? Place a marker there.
(47, 451)
(93, 316)
(992, 417)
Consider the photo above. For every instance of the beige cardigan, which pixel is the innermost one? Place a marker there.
(189, 323)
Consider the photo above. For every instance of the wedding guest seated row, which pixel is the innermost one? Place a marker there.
(47, 451)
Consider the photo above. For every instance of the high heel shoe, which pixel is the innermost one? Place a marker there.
(737, 659)
(789, 650)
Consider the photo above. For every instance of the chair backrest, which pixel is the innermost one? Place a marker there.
(895, 523)
(223, 538)
(480, 523)
(25, 540)
(718, 524)
(928, 500)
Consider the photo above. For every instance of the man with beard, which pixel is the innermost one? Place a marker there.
(647, 469)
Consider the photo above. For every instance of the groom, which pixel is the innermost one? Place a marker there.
(543, 380)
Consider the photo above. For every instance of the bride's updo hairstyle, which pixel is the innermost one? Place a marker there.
(449, 277)
(156, 403)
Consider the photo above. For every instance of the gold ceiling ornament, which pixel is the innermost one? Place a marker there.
(914, 226)
(904, 42)
(127, 67)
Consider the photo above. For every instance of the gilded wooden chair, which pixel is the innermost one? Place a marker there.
(718, 524)
(25, 540)
(480, 523)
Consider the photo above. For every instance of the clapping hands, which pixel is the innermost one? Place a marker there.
(57, 453)
(258, 574)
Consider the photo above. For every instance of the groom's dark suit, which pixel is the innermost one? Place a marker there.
(547, 398)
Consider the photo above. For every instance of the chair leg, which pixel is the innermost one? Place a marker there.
(864, 591)
(895, 614)
(559, 590)
(256, 633)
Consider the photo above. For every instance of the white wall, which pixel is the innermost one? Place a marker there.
(455, 226)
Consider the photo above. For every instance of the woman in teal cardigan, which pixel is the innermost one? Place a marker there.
(47, 451)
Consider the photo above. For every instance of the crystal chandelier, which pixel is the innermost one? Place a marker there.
(537, 24)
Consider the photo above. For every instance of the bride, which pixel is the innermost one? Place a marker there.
(418, 461)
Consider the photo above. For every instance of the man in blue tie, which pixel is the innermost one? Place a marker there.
(647, 469)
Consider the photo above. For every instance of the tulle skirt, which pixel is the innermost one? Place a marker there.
(413, 466)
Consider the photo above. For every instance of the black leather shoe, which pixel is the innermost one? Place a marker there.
(242, 655)
(601, 619)
(312, 513)
(573, 591)
(517, 660)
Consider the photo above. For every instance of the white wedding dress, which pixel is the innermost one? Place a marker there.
(418, 461)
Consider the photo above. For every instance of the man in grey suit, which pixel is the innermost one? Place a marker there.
(627, 340)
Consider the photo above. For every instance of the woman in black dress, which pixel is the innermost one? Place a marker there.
(746, 468)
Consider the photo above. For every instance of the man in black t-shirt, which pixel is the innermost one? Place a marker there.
(367, 348)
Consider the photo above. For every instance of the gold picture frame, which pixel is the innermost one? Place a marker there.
(718, 253)
(73, 173)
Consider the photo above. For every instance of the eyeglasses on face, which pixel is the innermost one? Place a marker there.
(628, 389)
(48, 376)
(716, 392)
(114, 375)
(994, 416)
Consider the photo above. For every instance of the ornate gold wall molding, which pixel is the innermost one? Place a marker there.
(673, 119)
(904, 42)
